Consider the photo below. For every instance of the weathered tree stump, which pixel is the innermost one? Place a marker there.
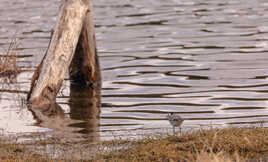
(84, 69)
(73, 47)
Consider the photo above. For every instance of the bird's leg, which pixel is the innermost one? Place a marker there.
(173, 130)
(180, 131)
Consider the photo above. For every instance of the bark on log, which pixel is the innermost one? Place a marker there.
(84, 69)
(60, 53)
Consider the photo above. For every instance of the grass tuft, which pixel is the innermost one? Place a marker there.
(8, 62)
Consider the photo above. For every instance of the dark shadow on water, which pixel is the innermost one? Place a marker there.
(85, 106)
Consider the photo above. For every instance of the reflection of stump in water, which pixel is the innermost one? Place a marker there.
(85, 106)
(47, 113)
(84, 114)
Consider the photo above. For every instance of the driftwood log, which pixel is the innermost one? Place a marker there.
(72, 47)
(84, 69)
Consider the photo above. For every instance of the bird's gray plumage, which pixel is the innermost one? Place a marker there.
(175, 120)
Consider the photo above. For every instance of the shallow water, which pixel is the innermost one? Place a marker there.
(203, 59)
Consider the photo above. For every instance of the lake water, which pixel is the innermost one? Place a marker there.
(206, 60)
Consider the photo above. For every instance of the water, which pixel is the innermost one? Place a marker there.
(206, 60)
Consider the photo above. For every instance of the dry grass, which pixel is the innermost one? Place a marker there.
(8, 62)
(215, 145)
(18, 153)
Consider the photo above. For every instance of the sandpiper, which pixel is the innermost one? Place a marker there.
(175, 120)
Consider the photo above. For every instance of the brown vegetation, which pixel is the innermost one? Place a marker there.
(231, 144)
(215, 145)
(15, 152)
(8, 62)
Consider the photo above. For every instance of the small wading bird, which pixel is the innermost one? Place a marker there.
(175, 120)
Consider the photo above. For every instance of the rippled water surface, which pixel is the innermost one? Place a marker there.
(206, 60)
